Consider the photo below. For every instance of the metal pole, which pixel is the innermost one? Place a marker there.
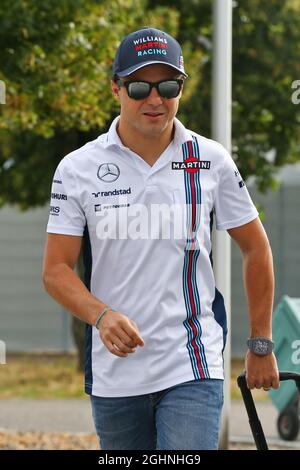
(221, 131)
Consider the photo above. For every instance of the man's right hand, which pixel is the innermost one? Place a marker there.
(119, 334)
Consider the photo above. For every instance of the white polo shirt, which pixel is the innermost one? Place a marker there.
(148, 254)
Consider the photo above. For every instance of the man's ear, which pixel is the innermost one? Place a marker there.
(115, 90)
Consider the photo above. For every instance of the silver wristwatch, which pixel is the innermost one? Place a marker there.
(260, 345)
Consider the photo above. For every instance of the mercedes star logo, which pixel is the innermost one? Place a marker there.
(108, 172)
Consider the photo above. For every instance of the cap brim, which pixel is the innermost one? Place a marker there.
(134, 68)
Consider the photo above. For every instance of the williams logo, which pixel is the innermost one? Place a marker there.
(108, 172)
(191, 165)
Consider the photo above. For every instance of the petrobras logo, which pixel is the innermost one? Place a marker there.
(105, 207)
(115, 192)
(191, 165)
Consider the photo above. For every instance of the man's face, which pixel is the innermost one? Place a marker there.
(153, 115)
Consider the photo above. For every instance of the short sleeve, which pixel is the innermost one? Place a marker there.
(233, 204)
(66, 215)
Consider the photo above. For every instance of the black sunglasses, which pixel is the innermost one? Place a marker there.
(139, 89)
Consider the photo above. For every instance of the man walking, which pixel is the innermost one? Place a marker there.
(142, 197)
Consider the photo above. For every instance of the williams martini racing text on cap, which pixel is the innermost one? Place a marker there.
(145, 47)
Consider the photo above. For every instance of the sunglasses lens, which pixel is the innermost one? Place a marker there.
(141, 90)
(138, 90)
(169, 89)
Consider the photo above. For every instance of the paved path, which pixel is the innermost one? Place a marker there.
(74, 415)
(239, 424)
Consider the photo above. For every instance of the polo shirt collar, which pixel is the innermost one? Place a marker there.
(112, 137)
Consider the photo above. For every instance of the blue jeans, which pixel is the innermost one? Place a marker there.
(182, 417)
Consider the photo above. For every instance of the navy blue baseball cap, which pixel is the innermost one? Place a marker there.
(145, 47)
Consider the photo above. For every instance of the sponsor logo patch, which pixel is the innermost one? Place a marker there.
(191, 165)
(108, 172)
(54, 210)
(63, 197)
(100, 207)
(115, 192)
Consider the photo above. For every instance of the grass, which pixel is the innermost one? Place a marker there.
(56, 376)
(41, 376)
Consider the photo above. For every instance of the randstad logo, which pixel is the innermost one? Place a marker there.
(115, 192)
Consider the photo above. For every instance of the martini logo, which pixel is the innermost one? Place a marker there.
(150, 42)
(191, 165)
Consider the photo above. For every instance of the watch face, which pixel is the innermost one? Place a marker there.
(261, 347)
